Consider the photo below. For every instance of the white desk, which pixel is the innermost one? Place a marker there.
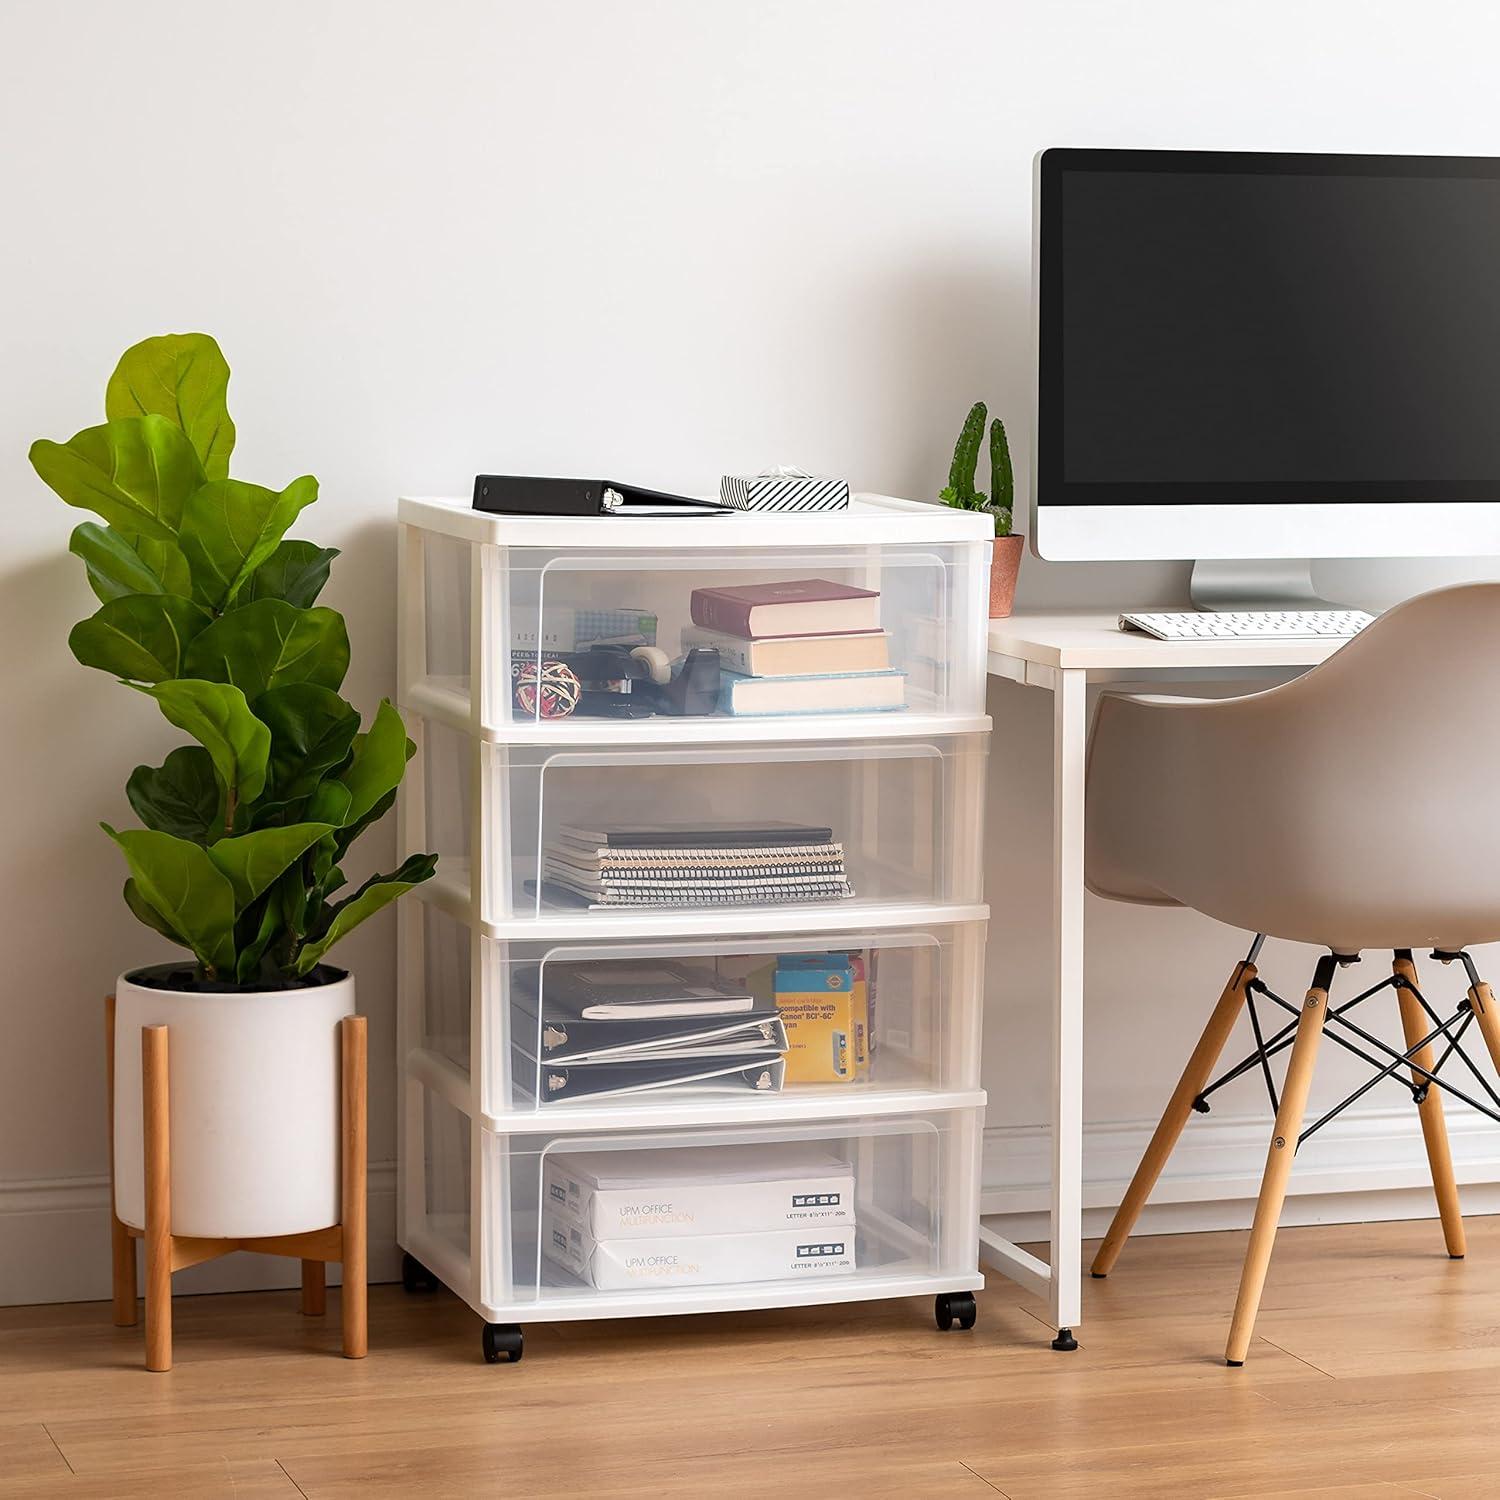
(1063, 652)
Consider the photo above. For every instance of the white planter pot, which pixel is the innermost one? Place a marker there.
(254, 1086)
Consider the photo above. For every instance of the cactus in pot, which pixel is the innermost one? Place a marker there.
(999, 503)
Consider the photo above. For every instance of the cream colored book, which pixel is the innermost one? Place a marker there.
(795, 655)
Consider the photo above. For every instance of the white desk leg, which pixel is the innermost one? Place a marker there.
(1069, 743)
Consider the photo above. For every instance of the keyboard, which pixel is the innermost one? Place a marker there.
(1250, 624)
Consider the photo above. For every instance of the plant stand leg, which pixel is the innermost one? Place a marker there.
(314, 1292)
(354, 1057)
(121, 1244)
(158, 1154)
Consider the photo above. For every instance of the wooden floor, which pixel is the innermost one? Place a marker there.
(1375, 1375)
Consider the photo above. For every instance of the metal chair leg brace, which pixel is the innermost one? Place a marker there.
(1451, 1031)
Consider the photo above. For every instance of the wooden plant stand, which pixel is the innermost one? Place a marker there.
(167, 1252)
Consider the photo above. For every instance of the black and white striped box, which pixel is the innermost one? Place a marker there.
(783, 489)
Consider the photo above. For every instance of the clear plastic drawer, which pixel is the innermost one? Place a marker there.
(496, 616)
(895, 819)
(676, 1215)
(763, 1022)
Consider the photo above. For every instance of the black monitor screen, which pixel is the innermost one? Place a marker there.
(1232, 327)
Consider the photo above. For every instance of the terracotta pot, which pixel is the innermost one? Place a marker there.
(1005, 563)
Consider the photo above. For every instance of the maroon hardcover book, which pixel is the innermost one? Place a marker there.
(802, 606)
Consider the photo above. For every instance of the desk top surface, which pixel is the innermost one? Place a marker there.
(1091, 638)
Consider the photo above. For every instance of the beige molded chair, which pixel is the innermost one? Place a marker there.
(1353, 808)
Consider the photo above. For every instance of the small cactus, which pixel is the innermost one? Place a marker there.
(960, 490)
(1002, 479)
(960, 493)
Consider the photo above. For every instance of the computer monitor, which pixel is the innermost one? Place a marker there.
(1256, 356)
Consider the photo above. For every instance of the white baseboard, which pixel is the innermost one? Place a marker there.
(1364, 1166)
(54, 1244)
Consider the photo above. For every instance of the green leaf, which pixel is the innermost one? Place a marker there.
(269, 644)
(295, 572)
(329, 803)
(218, 717)
(116, 567)
(272, 925)
(379, 762)
(182, 796)
(377, 892)
(312, 729)
(140, 637)
(291, 892)
(352, 829)
(229, 528)
(181, 883)
(183, 377)
(165, 559)
(136, 472)
(252, 861)
(143, 911)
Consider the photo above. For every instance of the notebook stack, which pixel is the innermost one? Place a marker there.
(806, 646)
(706, 864)
(600, 1030)
(698, 1216)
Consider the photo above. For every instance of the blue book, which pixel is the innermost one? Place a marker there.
(822, 693)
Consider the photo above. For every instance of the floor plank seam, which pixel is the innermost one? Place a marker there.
(1327, 1375)
(980, 1477)
(290, 1480)
(1038, 1318)
(58, 1446)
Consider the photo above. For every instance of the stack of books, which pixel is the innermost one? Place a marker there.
(807, 646)
(599, 1030)
(698, 1216)
(707, 864)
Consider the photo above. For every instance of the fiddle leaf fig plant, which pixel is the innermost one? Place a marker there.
(208, 608)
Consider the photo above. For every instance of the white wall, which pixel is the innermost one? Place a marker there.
(661, 240)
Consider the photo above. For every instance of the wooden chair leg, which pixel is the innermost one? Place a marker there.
(121, 1245)
(1279, 1162)
(158, 1154)
(1484, 1006)
(1194, 1078)
(314, 1289)
(1414, 1026)
(354, 1056)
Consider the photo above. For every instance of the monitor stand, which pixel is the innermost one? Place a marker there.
(1272, 583)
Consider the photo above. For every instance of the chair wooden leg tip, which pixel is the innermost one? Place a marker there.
(1099, 1275)
(1235, 1364)
(1452, 1256)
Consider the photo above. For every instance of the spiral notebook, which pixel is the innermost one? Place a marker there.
(711, 864)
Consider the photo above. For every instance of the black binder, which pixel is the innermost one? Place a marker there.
(526, 495)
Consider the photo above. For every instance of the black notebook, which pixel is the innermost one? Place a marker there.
(587, 1043)
(701, 1075)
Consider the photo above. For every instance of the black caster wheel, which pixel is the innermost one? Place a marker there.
(415, 1277)
(501, 1341)
(955, 1307)
(1064, 1340)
